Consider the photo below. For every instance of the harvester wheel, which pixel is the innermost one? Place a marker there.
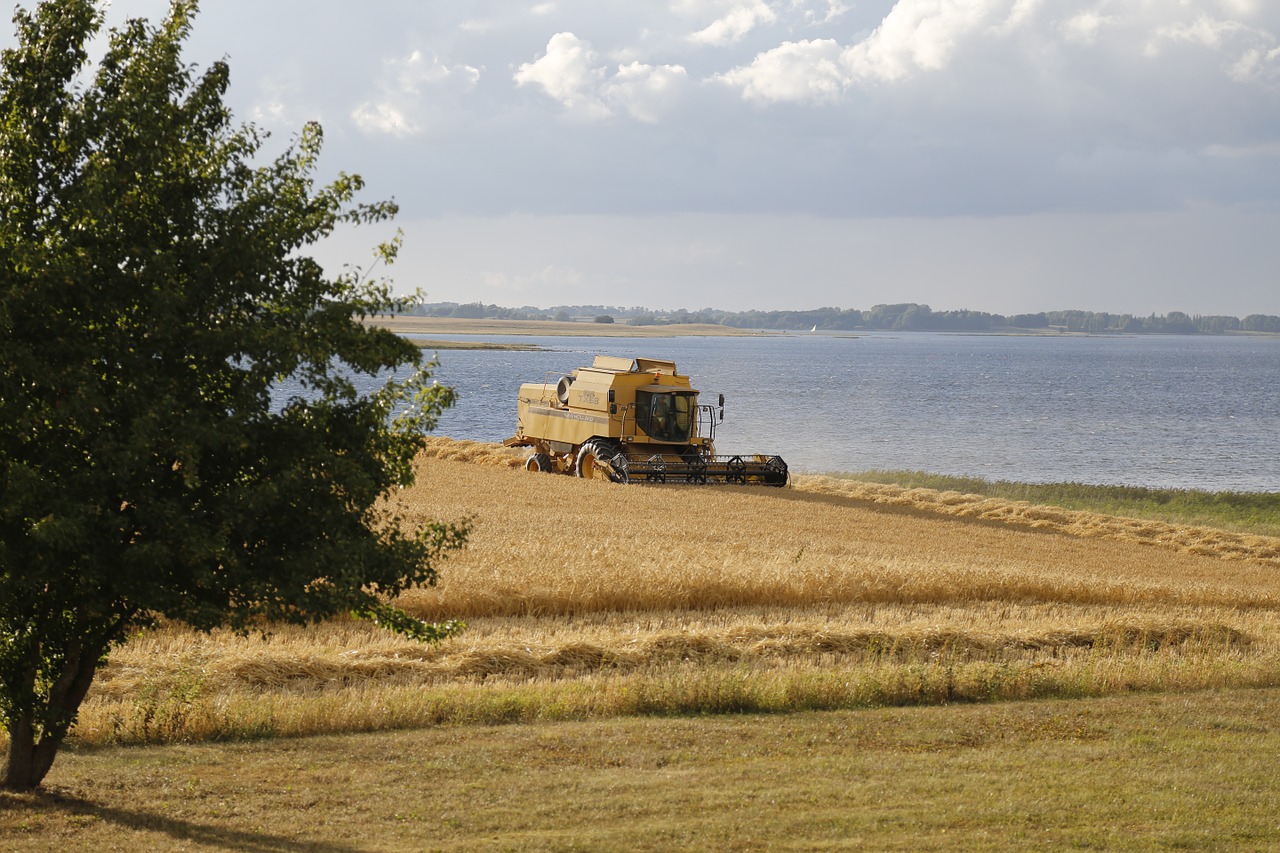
(737, 471)
(657, 469)
(539, 463)
(595, 462)
(697, 470)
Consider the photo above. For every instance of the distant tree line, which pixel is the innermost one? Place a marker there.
(902, 317)
(480, 311)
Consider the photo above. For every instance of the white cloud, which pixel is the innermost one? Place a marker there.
(405, 90)
(921, 35)
(975, 37)
(281, 97)
(1241, 8)
(417, 69)
(834, 9)
(1204, 31)
(383, 117)
(804, 71)
(571, 72)
(740, 18)
(1020, 14)
(1086, 27)
(644, 91)
(270, 111)
(1257, 64)
(1247, 54)
(916, 35)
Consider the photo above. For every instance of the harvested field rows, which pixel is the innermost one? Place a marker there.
(587, 599)
(1192, 540)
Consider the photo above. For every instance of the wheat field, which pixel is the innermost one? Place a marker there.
(588, 599)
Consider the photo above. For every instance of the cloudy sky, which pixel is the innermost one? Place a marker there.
(999, 155)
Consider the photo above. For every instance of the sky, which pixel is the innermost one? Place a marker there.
(997, 155)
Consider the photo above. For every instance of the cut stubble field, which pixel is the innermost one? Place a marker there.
(594, 603)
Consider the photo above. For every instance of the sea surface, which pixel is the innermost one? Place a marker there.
(1160, 411)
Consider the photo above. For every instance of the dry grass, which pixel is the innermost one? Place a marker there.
(169, 685)
(631, 608)
(1190, 539)
(475, 452)
(1255, 513)
(1139, 772)
(587, 599)
(563, 546)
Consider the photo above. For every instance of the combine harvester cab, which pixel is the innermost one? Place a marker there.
(631, 420)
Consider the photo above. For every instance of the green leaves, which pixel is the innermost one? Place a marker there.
(397, 620)
(154, 287)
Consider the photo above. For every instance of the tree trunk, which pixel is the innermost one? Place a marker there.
(29, 759)
(33, 747)
(21, 753)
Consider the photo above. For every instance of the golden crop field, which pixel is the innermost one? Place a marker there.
(587, 599)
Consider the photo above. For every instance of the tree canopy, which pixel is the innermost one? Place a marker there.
(155, 290)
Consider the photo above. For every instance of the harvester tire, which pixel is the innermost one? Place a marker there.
(539, 463)
(595, 460)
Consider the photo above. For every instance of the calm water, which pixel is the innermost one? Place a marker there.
(1178, 412)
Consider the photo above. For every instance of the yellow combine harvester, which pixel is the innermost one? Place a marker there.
(630, 420)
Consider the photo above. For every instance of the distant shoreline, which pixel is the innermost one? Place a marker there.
(474, 345)
(415, 326)
(901, 317)
(417, 329)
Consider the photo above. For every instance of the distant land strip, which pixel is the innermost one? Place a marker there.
(473, 345)
(901, 317)
(413, 326)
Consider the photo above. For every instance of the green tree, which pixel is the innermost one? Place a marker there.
(1261, 323)
(155, 291)
(471, 311)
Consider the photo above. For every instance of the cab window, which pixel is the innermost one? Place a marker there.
(665, 417)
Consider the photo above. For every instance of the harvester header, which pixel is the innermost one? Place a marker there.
(630, 420)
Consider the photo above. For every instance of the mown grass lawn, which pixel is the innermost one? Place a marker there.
(1193, 771)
